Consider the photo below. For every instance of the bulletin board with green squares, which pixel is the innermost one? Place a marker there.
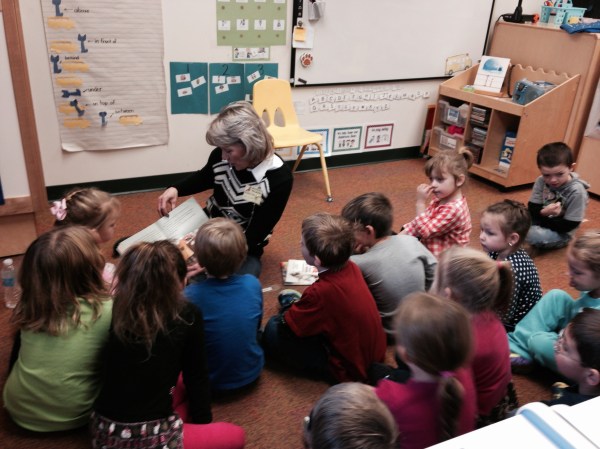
(251, 22)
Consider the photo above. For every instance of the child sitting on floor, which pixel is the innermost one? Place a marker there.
(482, 286)
(156, 335)
(96, 210)
(392, 265)
(577, 354)
(231, 304)
(350, 416)
(534, 336)
(63, 320)
(558, 199)
(447, 220)
(438, 402)
(334, 331)
(504, 227)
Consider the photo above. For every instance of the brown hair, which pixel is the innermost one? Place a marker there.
(456, 163)
(586, 248)
(148, 295)
(476, 281)
(515, 218)
(370, 209)
(239, 123)
(221, 246)
(89, 207)
(60, 268)
(436, 335)
(585, 330)
(330, 237)
(350, 416)
(554, 154)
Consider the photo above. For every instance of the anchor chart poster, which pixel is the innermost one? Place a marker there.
(106, 63)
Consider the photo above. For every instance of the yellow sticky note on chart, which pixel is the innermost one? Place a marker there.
(299, 34)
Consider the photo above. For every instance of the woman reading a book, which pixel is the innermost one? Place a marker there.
(250, 183)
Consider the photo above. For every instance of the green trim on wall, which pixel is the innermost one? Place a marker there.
(159, 182)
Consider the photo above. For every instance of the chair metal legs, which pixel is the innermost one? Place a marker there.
(329, 198)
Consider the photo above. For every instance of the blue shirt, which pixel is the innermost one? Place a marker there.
(232, 309)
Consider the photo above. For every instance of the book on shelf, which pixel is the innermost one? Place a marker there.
(491, 75)
(508, 148)
(298, 272)
(179, 227)
(479, 116)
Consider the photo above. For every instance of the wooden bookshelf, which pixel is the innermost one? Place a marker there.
(543, 120)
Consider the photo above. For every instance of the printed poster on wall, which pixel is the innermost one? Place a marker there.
(346, 139)
(379, 136)
(106, 63)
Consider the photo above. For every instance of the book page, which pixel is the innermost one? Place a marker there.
(185, 218)
(298, 272)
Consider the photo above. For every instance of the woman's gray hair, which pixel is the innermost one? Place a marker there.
(350, 416)
(238, 122)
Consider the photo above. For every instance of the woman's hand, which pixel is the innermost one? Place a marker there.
(167, 201)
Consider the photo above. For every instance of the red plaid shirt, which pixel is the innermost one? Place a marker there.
(442, 225)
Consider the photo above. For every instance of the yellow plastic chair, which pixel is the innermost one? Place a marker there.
(272, 95)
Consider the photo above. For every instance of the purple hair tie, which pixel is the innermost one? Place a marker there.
(447, 374)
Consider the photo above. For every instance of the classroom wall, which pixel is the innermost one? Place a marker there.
(189, 34)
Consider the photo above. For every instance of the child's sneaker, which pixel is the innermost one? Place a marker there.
(288, 297)
(520, 364)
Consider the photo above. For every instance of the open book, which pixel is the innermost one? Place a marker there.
(298, 272)
(181, 222)
(538, 426)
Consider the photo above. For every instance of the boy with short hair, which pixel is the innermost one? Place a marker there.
(558, 200)
(333, 331)
(577, 353)
(393, 265)
(231, 304)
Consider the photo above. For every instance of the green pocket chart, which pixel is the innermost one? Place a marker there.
(189, 87)
(254, 72)
(226, 84)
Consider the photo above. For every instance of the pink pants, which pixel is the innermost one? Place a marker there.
(219, 435)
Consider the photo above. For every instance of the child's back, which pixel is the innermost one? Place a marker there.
(64, 321)
(393, 265)
(334, 330)
(340, 306)
(439, 400)
(232, 311)
(232, 305)
(393, 268)
(470, 278)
